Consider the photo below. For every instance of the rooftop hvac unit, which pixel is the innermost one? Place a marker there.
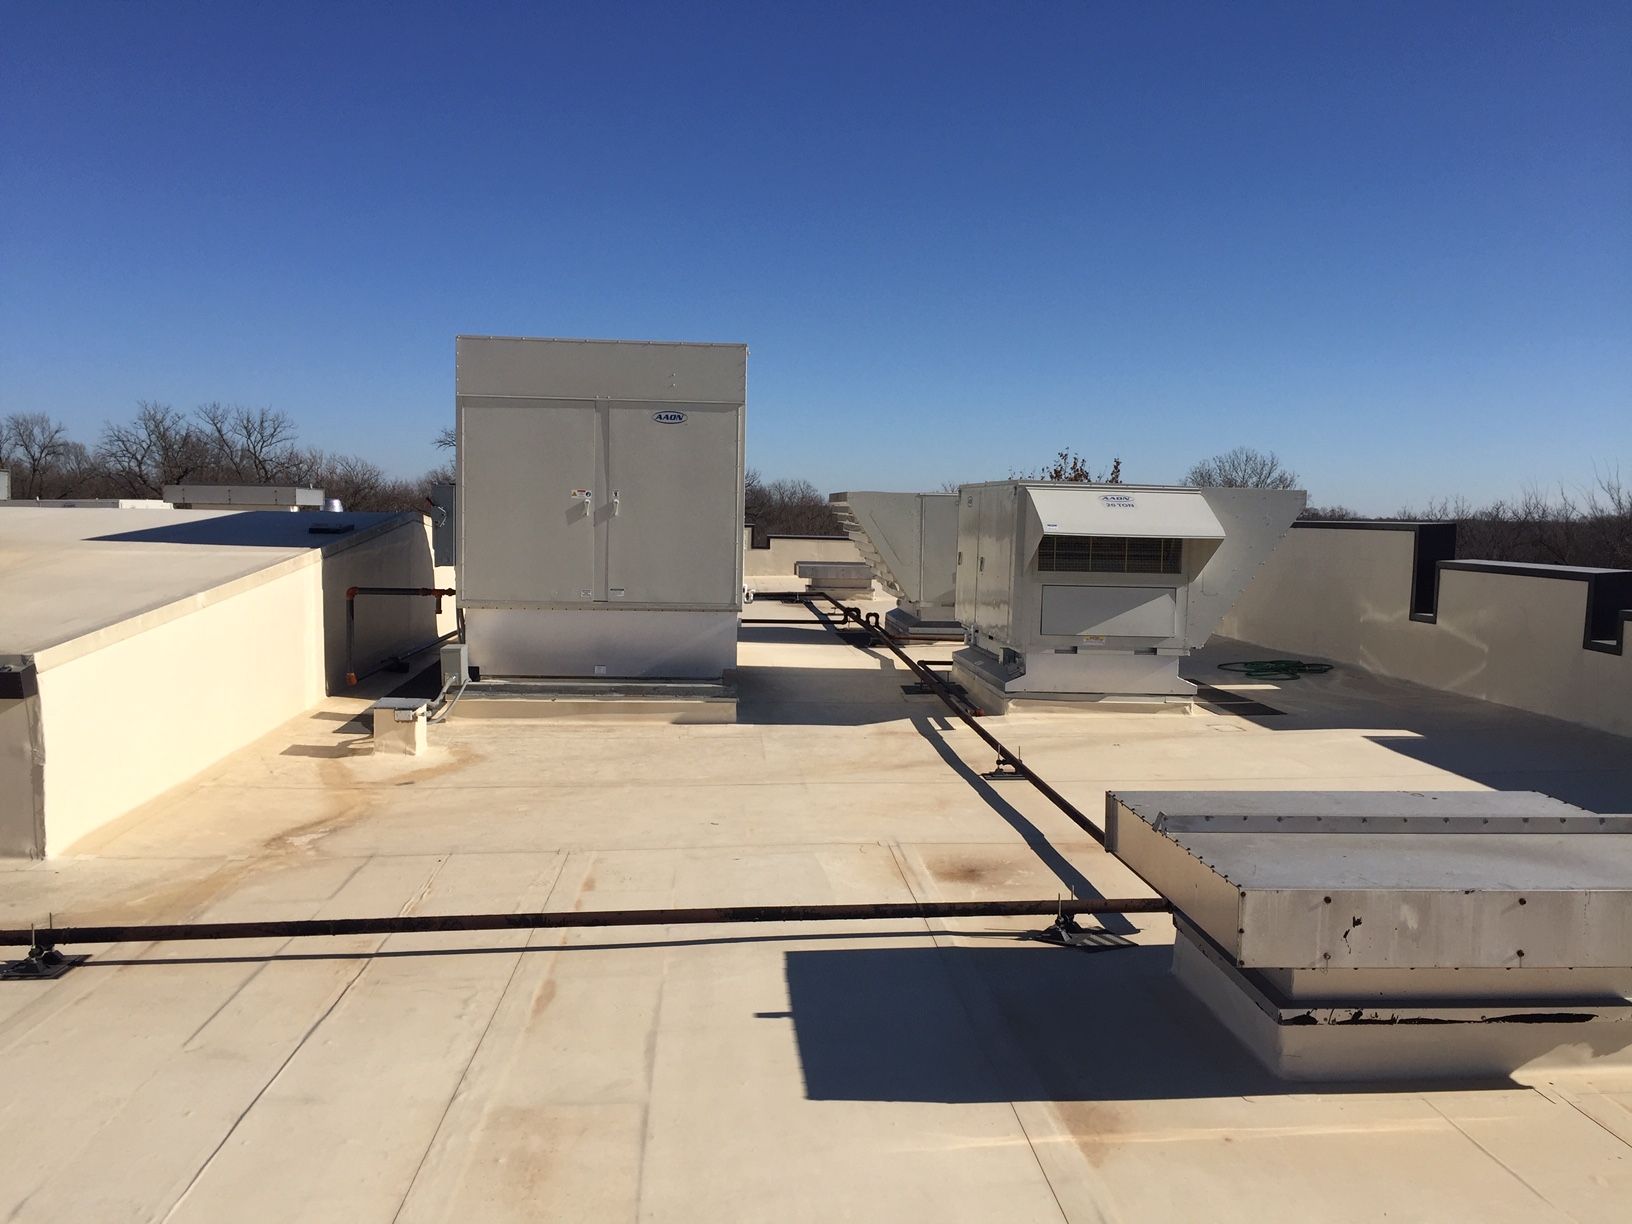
(1074, 591)
(911, 541)
(599, 507)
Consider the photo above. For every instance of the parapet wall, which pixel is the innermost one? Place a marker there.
(776, 556)
(95, 726)
(1386, 597)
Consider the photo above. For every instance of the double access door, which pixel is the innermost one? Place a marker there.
(600, 502)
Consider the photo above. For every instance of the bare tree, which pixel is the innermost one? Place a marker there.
(360, 484)
(33, 448)
(1591, 526)
(159, 447)
(354, 480)
(753, 495)
(249, 445)
(1242, 468)
(787, 506)
(1070, 468)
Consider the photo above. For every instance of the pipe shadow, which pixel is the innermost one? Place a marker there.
(387, 954)
(1049, 854)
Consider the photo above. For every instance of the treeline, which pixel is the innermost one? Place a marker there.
(214, 444)
(232, 444)
(1592, 527)
(787, 507)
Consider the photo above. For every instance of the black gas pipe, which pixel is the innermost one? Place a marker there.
(42, 943)
(41, 940)
(957, 706)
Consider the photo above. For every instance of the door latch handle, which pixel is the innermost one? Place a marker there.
(614, 503)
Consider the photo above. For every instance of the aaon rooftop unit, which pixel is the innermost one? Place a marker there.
(600, 506)
(1072, 592)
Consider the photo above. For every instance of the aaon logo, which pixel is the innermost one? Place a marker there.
(671, 417)
(1117, 501)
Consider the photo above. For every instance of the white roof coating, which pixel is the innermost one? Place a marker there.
(68, 572)
(903, 1071)
(1101, 510)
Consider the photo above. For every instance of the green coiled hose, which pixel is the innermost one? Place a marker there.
(1275, 669)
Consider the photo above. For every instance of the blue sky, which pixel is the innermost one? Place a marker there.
(1391, 242)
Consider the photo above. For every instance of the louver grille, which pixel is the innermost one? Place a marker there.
(1109, 555)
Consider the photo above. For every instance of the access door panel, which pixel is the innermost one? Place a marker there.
(1109, 611)
(526, 494)
(673, 504)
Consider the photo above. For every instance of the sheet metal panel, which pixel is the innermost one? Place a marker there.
(966, 580)
(938, 553)
(1255, 521)
(1554, 892)
(999, 595)
(528, 470)
(1493, 926)
(887, 530)
(1205, 896)
(248, 496)
(673, 530)
(1105, 510)
(590, 643)
(658, 371)
(910, 539)
(1109, 611)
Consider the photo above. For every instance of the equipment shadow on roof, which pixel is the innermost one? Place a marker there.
(827, 696)
(1497, 746)
(887, 1024)
(249, 529)
(794, 633)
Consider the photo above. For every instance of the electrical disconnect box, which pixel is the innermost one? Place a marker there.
(599, 510)
(444, 499)
(1079, 591)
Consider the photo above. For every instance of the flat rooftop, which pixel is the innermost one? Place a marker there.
(70, 572)
(877, 1071)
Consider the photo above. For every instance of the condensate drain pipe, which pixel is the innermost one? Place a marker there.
(438, 593)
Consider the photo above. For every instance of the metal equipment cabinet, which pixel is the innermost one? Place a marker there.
(600, 489)
(1073, 591)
